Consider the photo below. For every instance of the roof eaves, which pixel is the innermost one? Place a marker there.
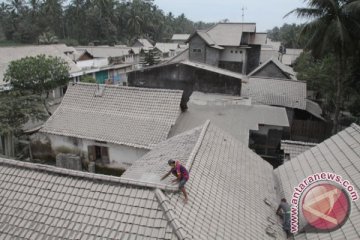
(148, 147)
(87, 175)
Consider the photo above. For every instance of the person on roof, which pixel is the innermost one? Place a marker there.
(286, 209)
(181, 174)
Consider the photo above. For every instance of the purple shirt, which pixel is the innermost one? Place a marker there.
(180, 170)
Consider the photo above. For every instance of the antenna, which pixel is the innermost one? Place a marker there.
(243, 13)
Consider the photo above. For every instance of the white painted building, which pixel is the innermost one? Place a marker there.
(112, 125)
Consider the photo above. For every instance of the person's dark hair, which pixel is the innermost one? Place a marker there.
(283, 199)
(171, 161)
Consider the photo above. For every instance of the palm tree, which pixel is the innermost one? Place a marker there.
(333, 28)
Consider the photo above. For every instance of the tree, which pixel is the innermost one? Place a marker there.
(149, 57)
(334, 27)
(48, 38)
(87, 79)
(16, 110)
(37, 75)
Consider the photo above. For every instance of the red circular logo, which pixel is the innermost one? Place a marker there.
(326, 207)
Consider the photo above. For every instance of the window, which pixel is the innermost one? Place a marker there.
(240, 51)
(232, 51)
(196, 50)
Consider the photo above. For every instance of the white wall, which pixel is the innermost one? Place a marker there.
(119, 155)
(232, 54)
(93, 63)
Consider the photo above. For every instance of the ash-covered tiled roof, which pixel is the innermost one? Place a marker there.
(228, 188)
(45, 202)
(339, 154)
(167, 47)
(8, 54)
(138, 117)
(105, 51)
(295, 148)
(277, 92)
(286, 70)
(230, 113)
(146, 43)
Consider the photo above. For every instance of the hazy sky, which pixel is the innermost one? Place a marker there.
(265, 13)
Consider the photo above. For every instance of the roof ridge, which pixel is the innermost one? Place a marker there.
(170, 214)
(128, 88)
(355, 126)
(86, 175)
(278, 79)
(299, 143)
(197, 146)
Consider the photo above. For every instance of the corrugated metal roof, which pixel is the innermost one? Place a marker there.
(314, 109)
(339, 154)
(229, 34)
(258, 39)
(213, 69)
(277, 92)
(8, 54)
(138, 117)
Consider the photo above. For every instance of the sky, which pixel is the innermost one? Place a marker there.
(265, 13)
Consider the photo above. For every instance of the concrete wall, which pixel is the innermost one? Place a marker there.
(186, 78)
(212, 56)
(271, 70)
(197, 43)
(232, 54)
(253, 58)
(119, 155)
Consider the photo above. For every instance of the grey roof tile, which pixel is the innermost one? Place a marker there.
(333, 155)
(277, 92)
(135, 117)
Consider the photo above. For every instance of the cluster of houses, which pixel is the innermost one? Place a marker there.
(220, 101)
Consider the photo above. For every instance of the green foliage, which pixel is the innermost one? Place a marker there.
(17, 109)
(289, 35)
(334, 28)
(149, 57)
(48, 38)
(38, 74)
(108, 21)
(87, 79)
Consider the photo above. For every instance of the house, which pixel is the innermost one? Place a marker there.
(273, 68)
(271, 49)
(223, 204)
(112, 125)
(108, 64)
(41, 201)
(180, 38)
(305, 118)
(290, 56)
(143, 43)
(232, 46)
(253, 125)
(9, 54)
(294, 148)
(338, 154)
(167, 49)
(187, 76)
